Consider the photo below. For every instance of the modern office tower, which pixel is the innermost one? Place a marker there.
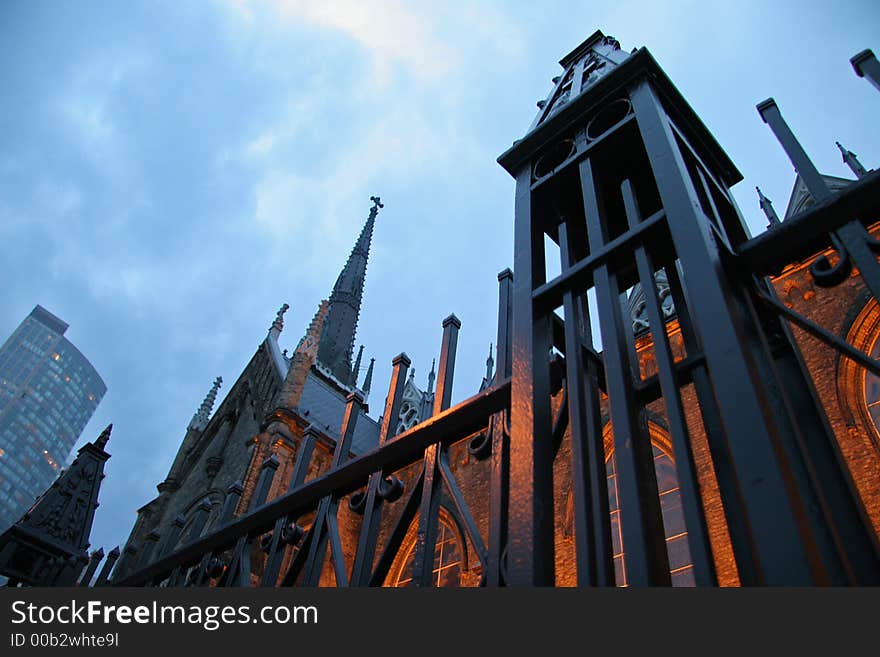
(48, 392)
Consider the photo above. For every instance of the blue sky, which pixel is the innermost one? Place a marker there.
(171, 173)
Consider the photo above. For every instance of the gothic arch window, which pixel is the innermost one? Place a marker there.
(860, 389)
(409, 417)
(450, 555)
(681, 565)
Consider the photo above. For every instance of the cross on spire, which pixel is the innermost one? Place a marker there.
(337, 340)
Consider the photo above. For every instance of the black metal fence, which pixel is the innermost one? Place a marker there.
(646, 193)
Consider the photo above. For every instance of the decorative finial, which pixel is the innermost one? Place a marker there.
(278, 324)
(490, 363)
(431, 375)
(377, 202)
(412, 374)
(101, 442)
(368, 380)
(852, 161)
(356, 369)
(200, 419)
(767, 206)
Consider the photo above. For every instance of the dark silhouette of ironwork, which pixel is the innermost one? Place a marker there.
(626, 181)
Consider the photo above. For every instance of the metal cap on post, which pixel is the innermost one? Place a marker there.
(94, 560)
(865, 65)
(443, 396)
(106, 569)
(505, 316)
(354, 405)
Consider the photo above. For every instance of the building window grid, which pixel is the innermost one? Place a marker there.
(446, 571)
(682, 575)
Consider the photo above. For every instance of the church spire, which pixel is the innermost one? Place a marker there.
(368, 380)
(767, 206)
(337, 339)
(356, 370)
(200, 419)
(852, 161)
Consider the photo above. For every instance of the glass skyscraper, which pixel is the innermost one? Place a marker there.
(48, 393)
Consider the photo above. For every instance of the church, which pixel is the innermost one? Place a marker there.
(683, 404)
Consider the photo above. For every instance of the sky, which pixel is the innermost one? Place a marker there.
(172, 173)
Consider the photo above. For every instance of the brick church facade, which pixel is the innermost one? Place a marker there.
(280, 423)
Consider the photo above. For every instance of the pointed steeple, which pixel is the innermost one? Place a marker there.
(431, 376)
(48, 545)
(852, 161)
(356, 370)
(101, 442)
(767, 206)
(368, 380)
(200, 419)
(337, 339)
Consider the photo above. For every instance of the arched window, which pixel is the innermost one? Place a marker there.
(449, 558)
(680, 564)
(409, 417)
(859, 388)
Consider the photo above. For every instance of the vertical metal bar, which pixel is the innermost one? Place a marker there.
(750, 428)
(109, 562)
(728, 487)
(688, 481)
(500, 459)
(318, 546)
(336, 554)
(593, 549)
(853, 235)
(399, 531)
(865, 65)
(94, 559)
(530, 547)
(505, 318)
(274, 554)
(426, 535)
(644, 541)
(363, 561)
(843, 531)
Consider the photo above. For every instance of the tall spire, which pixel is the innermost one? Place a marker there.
(767, 206)
(852, 161)
(368, 380)
(337, 339)
(490, 363)
(200, 419)
(101, 442)
(356, 370)
(431, 376)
